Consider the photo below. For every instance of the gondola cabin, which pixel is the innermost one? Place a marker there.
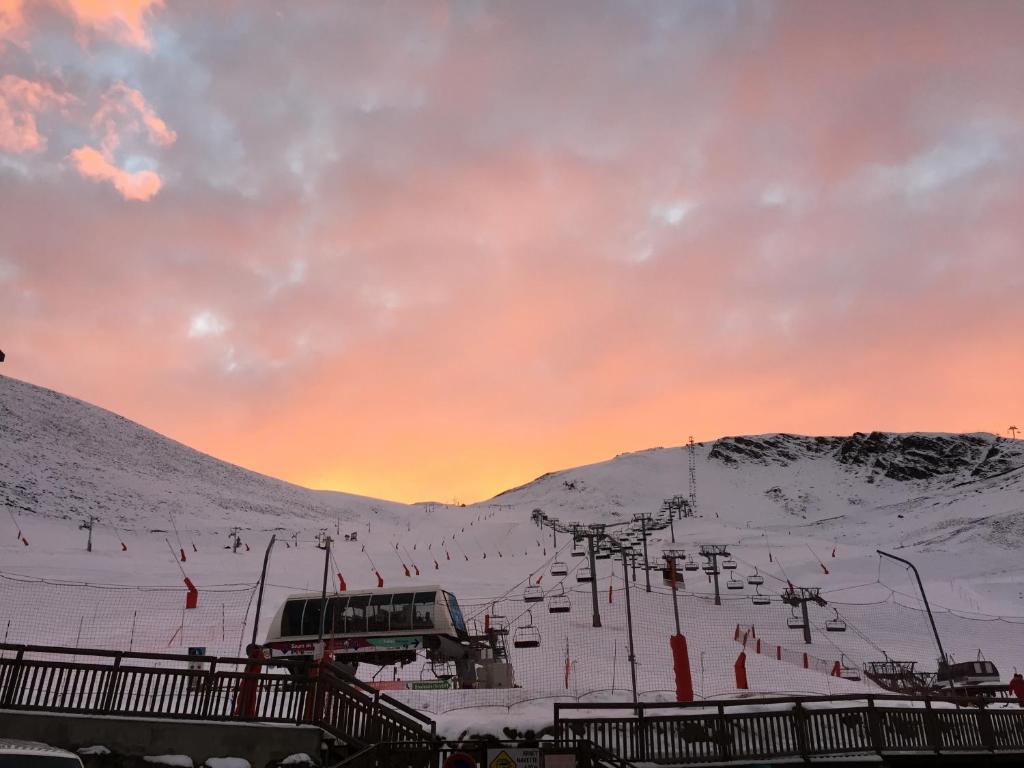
(972, 678)
(374, 626)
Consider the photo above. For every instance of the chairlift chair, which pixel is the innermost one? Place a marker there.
(755, 578)
(558, 568)
(835, 624)
(729, 565)
(559, 603)
(758, 599)
(526, 636)
(846, 671)
(583, 573)
(734, 583)
(794, 621)
(709, 568)
(533, 593)
(691, 565)
(578, 550)
(603, 554)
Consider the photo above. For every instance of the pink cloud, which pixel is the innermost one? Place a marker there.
(124, 112)
(12, 18)
(121, 20)
(20, 102)
(140, 185)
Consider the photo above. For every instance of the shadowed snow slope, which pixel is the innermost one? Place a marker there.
(61, 457)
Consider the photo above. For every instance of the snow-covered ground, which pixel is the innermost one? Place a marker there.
(954, 504)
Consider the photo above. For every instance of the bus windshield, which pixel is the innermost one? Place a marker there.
(453, 607)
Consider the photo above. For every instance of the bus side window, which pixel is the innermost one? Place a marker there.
(423, 610)
(355, 613)
(335, 616)
(291, 619)
(377, 613)
(401, 612)
(311, 617)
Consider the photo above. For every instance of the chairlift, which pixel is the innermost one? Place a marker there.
(578, 550)
(729, 565)
(558, 568)
(846, 671)
(533, 593)
(443, 670)
(583, 573)
(559, 603)
(709, 568)
(497, 622)
(691, 565)
(755, 578)
(603, 554)
(758, 599)
(734, 583)
(835, 624)
(526, 636)
(794, 621)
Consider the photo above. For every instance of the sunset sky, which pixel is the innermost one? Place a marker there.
(430, 250)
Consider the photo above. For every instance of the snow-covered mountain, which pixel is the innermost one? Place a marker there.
(923, 489)
(810, 510)
(64, 458)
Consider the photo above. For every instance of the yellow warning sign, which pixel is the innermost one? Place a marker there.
(502, 760)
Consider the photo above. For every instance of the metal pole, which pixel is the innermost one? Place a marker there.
(675, 602)
(714, 567)
(593, 579)
(924, 597)
(807, 622)
(643, 532)
(629, 627)
(263, 581)
(323, 593)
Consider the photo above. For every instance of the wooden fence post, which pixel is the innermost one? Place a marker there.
(800, 721)
(875, 727)
(113, 680)
(14, 679)
(723, 737)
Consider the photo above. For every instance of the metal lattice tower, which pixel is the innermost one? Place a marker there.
(692, 451)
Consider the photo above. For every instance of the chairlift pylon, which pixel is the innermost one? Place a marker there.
(526, 636)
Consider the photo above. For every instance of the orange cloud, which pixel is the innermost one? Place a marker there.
(122, 20)
(12, 18)
(20, 102)
(123, 113)
(140, 185)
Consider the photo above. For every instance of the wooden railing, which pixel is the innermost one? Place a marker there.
(92, 681)
(758, 729)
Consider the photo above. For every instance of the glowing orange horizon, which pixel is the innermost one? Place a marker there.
(496, 242)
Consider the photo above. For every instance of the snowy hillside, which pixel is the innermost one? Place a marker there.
(61, 457)
(810, 510)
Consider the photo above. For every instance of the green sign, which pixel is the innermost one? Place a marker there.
(429, 685)
(396, 642)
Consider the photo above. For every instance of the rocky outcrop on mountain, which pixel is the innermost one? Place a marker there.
(901, 457)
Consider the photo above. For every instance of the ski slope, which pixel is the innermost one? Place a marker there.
(953, 504)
